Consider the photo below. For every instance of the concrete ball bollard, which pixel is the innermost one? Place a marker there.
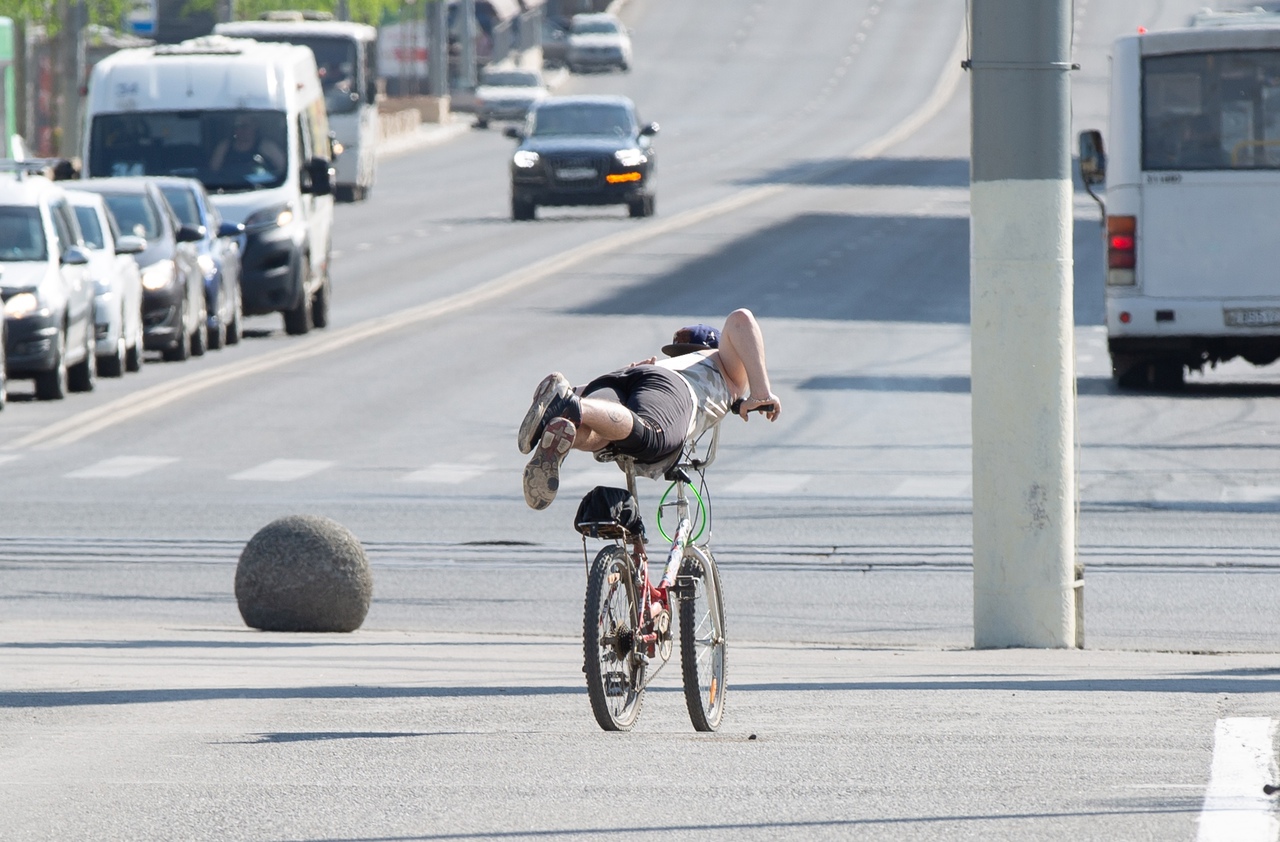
(304, 573)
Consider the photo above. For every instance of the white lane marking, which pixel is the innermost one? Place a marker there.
(1250, 494)
(122, 466)
(84, 424)
(1235, 807)
(767, 484)
(446, 473)
(282, 470)
(934, 487)
(12, 458)
(591, 477)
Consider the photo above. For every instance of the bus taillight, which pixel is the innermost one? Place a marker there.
(1122, 252)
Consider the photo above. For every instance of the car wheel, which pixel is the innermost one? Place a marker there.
(320, 304)
(181, 348)
(481, 123)
(83, 376)
(199, 336)
(522, 211)
(640, 207)
(298, 320)
(216, 333)
(52, 385)
(115, 364)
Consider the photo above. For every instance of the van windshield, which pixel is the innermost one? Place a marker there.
(1211, 111)
(229, 150)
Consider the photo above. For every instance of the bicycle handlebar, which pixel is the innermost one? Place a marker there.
(736, 407)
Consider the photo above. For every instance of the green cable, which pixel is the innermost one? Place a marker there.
(702, 523)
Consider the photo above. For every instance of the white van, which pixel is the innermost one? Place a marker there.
(248, 120)
(347, 57)
(1193, 193)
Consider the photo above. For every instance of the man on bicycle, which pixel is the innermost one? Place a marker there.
(649, 409)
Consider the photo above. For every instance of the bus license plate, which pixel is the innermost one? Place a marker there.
(1257, 317)
(576, 173)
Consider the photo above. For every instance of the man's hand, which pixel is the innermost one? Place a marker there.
(649, 361)
(769, 406)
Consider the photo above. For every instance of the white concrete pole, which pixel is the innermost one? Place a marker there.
(1023, 359)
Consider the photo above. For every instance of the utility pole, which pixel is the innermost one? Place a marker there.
(438, 50)
(467, 72)
(1023, 351)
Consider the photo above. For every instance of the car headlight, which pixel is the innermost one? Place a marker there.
(158, 275)
(278, 215)
(21, 305)
(524, 159)
(630, 157)
(207, 266)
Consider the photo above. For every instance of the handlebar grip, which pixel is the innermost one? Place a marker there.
(736, 407)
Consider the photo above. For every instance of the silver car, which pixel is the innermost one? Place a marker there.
(507, 95)
(118, 281)
(598, 42)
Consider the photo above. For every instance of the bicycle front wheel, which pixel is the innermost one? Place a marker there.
(614, 667)
(702, 641)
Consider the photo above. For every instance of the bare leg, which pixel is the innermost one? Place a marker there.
(743, 363)
(602, 422)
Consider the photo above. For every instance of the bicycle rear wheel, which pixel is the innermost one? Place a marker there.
(702, 641)
(615, 671)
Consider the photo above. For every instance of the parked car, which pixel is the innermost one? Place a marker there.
(598, 41)
(217, 252)
(507, 95)
(47, 290)
(4, 378)
(583, 150)
(555, 42)
(117, 282)
(173, 308)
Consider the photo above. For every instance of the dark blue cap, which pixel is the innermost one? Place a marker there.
(692, 338)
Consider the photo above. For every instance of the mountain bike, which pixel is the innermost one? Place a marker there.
(627, 619)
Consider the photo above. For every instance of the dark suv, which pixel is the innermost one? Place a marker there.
(583, 150)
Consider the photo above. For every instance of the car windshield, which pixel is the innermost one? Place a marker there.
(595, 27)
(135, 215)
(582, 119)
(183, 202)
(228, 150)
(21, 234)
(88, 219)
(510, 79)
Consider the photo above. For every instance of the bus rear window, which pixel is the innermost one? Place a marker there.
(1211, 111)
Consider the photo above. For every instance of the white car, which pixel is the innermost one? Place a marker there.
(507, 95)
(118, 281)
(598, 42)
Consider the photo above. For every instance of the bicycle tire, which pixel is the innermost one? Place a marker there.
(703, 646)
(615, 678)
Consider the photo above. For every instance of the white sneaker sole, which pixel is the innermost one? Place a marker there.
(542, 474)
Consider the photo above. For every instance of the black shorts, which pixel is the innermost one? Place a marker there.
(661, 409)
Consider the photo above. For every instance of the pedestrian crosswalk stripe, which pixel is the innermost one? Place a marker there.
(933, 487)
(446, 474)
(590, 477)
(122, 466)
(1235, 806)
(282, 470)
(767, 484)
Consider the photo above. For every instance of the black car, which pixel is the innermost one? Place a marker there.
(173, 302)
(217, 252)
(583, 150)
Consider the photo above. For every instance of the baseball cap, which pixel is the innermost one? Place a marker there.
(692, 338)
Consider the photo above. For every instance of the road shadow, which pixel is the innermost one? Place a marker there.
(840, 266)
(869, 172)
(953, 384)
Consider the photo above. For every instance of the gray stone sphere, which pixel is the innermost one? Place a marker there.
(304, 573)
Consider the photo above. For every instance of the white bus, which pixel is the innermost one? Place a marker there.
(1192, 200)
(347, 59)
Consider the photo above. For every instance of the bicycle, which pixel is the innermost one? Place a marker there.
(627, 619)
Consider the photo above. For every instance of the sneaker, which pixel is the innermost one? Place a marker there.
(553, 397)
(542, 474)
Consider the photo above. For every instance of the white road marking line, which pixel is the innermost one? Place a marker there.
(592, 477)
(1235, 808)
(934, 487)
(122, 466)
(83, 424)
(446, 473)
(4, 459)
(1250, 494)
(767, 484)
(282, 470)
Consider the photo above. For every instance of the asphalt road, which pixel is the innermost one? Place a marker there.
(814, 169)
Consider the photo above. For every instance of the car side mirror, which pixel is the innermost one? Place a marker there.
(319, 181)
(649, 130)
(1093, 158)
(130, 244)
(230, 229)
(513, 133)
(190, 233)
(75, 256)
